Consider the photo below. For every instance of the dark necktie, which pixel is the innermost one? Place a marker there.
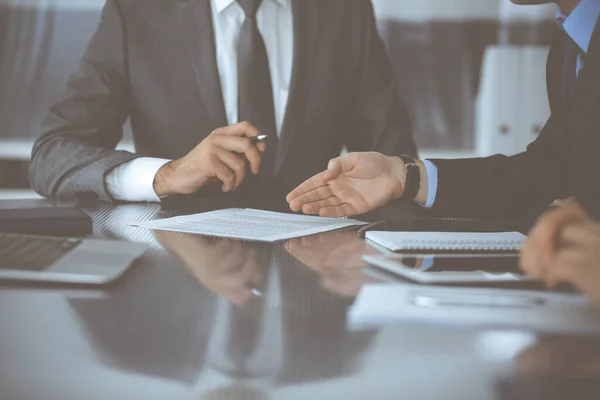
(569, 78)
(256, 93)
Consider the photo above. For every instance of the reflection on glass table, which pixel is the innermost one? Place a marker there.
(561, 356)
(556, 367)
(228, 268)
(337, 258)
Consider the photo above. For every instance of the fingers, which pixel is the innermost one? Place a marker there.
(563, 270)
(261, 146)
(315, 207)
(225, 175)
(236, 164)
(291, 246)
(341, 165)
(344, 210)
(241, 145)
(564, 202)
(250, 131)
(240, 129)
(307, 186)
(236, 138)
(581, 233)
(544, 237)
(319, 194)
(334, 169)
(530, 262)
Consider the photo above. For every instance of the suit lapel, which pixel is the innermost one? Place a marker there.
(306, 24)
(197, 28)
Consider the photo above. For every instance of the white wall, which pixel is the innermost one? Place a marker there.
(63, 4)
(431, 10)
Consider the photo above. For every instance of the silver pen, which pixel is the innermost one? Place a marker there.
(259, 138)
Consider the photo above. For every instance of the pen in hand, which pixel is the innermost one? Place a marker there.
(259, 139)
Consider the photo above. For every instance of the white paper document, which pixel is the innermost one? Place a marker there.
(252, 225)
(383, 305)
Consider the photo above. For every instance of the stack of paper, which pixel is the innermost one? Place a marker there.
(252, 225)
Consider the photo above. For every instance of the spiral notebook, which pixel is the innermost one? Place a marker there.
(448, 241)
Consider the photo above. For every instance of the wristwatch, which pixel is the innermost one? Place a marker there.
(413, 178)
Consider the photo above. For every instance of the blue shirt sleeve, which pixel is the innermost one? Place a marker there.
(432, 183)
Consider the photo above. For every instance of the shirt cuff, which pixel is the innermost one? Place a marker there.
(134, 181)
(427, 263)
(432, 183)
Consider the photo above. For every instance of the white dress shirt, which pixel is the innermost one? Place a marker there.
(134, 181)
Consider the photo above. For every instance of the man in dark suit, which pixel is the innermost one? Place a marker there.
(313, 75)
(561, 163)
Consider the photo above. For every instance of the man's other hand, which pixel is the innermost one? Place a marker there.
(223, 156)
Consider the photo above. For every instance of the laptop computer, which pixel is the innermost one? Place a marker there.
(65, 260)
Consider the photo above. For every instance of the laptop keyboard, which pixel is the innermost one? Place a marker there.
(34, 253)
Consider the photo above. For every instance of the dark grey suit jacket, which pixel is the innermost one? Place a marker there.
(153, 61)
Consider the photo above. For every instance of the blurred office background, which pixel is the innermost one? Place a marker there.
(472, 72)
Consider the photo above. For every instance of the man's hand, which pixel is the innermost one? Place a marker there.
(353, 184)
(222, 156)
(545, 239)
(578, 260)
(564, 246)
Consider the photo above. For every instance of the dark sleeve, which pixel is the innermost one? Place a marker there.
(76, 148)
(379, 119)
(506, 187)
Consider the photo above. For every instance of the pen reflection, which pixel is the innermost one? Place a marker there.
(229, 268)
(337, 257)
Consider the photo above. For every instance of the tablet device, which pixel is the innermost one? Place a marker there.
(451, 270)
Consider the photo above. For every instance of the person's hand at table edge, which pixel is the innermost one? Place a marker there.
(355, 184)
(546, 238)
(223, 156)
(564, 247)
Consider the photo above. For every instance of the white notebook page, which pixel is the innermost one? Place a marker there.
(451, 241)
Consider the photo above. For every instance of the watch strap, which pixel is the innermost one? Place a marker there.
(413, 178)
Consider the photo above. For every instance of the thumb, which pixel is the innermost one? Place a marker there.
(336, 167)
